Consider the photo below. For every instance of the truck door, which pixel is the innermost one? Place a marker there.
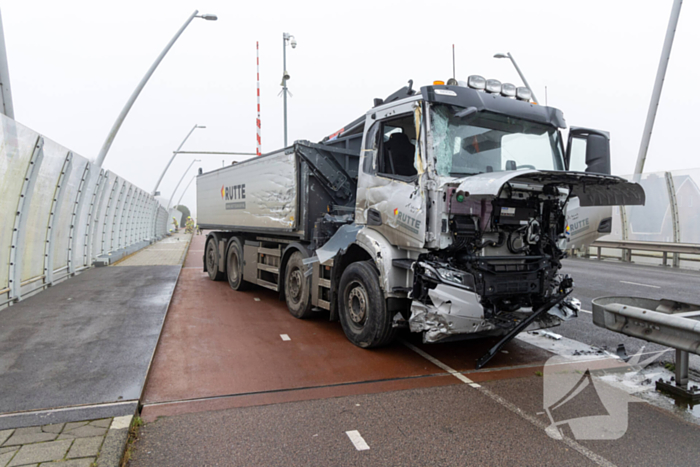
(389, 198)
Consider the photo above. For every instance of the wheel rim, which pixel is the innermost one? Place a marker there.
(233, 267)
(357, 304)
(211, 264)
(294, 285)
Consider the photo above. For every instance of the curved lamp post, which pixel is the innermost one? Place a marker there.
(120, 119)
(178, 183)
(175, 153)
(522, 77)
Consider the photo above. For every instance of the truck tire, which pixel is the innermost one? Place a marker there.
(363, 311)
(297, 287)
(211, 256)
(234, 265)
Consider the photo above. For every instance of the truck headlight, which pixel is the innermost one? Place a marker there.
(450, 275)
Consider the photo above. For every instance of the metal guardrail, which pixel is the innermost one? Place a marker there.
(663, 247)
(665, 322)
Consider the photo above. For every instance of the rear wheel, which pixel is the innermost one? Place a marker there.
(363, 311)
(211, 256)
(234, 265)
(297, 287)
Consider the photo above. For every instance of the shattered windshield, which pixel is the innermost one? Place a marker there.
(487, 142)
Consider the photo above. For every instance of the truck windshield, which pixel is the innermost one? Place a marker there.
(489, 142)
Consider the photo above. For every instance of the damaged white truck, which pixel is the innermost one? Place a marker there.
(441, 210)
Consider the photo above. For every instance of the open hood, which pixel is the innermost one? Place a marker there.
(591, 189)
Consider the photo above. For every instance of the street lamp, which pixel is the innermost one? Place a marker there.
(508, 55)
(285, 76)
(120, 119)
(178, 183)
(155, 189)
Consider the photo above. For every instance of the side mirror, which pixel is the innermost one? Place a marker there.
(588, 150)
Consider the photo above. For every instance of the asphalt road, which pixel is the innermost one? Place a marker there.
(226, 389)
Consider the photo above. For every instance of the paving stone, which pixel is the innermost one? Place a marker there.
(74, 463)
(85, 447)
(8, 449)
(6, 454)
(4, 434)
(104, 423)
(41, 452)
(83, 432)
(55, 428)
(72, 425)
(29, 435)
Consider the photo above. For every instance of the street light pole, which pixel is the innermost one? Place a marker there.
(658, 86)
(155, 189)
(120, 119)
(185, 190)
(285, 76)
(178, 183)
(517, 68)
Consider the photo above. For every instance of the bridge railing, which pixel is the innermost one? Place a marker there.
(62, 212)
(669, 222)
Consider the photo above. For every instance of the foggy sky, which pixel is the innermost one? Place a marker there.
(73, 64)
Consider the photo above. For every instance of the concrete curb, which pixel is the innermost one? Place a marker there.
(114, 445)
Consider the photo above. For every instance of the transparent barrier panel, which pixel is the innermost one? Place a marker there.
(38, 215)
(651, 222)
(102, 213)
(15, 153)
(687, 186)
(62, 223)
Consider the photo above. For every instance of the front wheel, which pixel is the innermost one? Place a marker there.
(363, 311)
(211, 257)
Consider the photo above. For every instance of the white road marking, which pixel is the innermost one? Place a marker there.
(600, 460)
(256, 299)
(285, 337)
(438, 363)
(357, 440)
(586, 311)
(643, 285)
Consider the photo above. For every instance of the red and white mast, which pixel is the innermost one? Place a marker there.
(257, 56)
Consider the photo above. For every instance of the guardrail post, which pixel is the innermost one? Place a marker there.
(108, 208)
(93, 215)
(54, 213)
(682, 368)
(675, 218)
(116, 219)
(626, 253)
(76, 216)
(18, 234)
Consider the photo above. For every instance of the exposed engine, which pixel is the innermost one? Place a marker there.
(501, 267)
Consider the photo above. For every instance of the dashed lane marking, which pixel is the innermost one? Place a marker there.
(256, 299)
(285, 337)
(599, 460)
(357, 440)
(643, 285)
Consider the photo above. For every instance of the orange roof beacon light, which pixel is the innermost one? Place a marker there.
(438, 83)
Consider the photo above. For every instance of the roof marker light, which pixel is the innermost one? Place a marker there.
(438, 83)
(493, 86)
(508, 90)
(476, 82)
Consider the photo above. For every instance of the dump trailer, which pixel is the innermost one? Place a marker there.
(442, 210)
